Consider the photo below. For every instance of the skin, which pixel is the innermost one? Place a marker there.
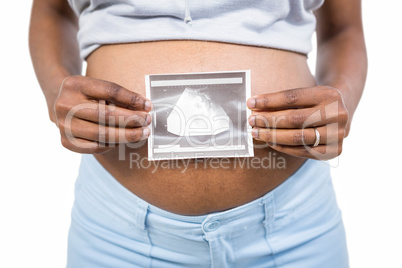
(341, 75)
(284, 120)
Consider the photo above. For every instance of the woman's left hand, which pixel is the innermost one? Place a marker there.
(287, 120)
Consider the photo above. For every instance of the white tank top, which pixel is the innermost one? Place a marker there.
(281, 24)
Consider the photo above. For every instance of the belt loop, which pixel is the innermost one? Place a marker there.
(269, 207)
(138, 225)
(141, 214)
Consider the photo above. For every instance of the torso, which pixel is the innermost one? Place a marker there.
(206, 186)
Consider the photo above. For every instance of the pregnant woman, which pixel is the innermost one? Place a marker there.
(210, 212)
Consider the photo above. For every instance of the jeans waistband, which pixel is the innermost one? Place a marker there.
(300, 189)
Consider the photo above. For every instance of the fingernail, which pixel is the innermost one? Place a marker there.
(251, 120)
(254, 132)
(148, 105)
(148, 119)
(145, 133)
(251, 103)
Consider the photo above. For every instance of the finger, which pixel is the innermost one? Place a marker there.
(104, 90)
(291, 137)
(293, 118)
(104, 134)
(85, 146)
(115, 116)
(321, 152)
(294, 137)
(291, 98)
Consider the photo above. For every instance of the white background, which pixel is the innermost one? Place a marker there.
(37, 174)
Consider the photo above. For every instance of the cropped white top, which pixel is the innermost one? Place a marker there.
(281, 24)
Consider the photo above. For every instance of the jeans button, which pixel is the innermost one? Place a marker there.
(211, 226)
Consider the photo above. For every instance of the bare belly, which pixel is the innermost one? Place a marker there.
(199, 187)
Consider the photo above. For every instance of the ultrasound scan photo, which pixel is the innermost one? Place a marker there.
(199, 115)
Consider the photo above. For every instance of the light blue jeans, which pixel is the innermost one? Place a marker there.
(296, 225)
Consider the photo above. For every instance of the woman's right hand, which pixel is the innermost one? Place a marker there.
(95, 115)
